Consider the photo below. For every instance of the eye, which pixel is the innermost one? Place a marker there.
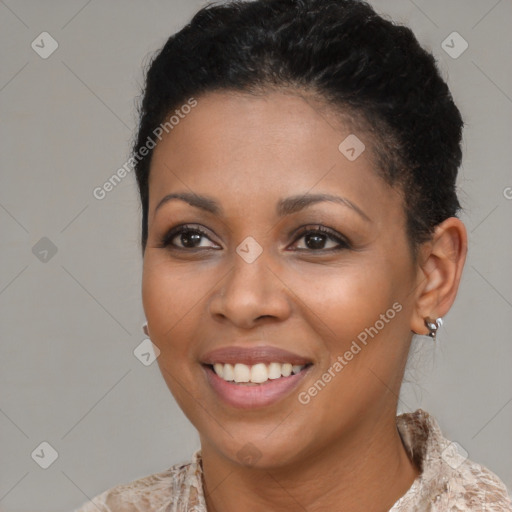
(193, 237)
(317, 238)
(186, 237)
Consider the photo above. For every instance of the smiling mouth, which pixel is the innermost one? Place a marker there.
(256, 374)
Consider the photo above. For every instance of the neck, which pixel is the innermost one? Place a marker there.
(366, 470)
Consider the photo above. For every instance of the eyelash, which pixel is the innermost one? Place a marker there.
(307, 230)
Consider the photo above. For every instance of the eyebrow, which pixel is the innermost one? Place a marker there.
(204, 203)
(284, 207)
(296, 203)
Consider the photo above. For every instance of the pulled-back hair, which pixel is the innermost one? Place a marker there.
(369, 69)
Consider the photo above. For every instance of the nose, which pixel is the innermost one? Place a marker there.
(249, 294)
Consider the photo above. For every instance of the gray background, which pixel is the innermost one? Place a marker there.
(69, 325)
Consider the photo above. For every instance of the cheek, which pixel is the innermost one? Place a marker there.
(358, 317)
(357, 313)
(346, 299)
(171, 298)
(170, 290)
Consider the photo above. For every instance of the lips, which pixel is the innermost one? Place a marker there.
(250, 395)
(253, 355)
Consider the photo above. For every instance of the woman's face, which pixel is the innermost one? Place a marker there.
(251, 275)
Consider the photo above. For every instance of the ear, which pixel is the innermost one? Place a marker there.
(440, 264)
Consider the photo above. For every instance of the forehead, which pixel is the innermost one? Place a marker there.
(229, 122)
(246, 149)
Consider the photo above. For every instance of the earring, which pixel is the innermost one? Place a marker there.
(433, 326)
(145, 329)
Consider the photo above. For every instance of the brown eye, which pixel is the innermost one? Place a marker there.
(321, 239)
(186, 237)
(190, 238)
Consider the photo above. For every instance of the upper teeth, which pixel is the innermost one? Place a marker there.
(256, 373)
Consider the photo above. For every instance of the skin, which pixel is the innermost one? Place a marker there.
(341, 450)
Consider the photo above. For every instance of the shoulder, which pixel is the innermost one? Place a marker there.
(151, 493)
(471, 486)
(449, 481)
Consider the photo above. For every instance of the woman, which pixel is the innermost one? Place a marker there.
(296, 162)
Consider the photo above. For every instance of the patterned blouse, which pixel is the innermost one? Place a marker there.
(448, 481)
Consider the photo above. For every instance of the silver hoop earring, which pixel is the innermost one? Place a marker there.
(433, 326)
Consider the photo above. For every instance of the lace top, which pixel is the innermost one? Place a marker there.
(448, 481)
